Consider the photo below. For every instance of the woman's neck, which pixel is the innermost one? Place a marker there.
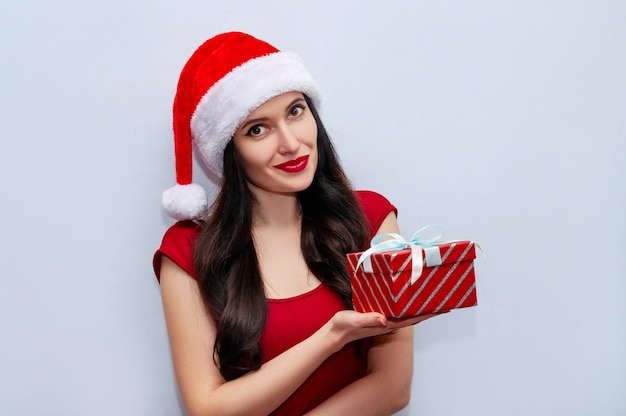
(275, 209)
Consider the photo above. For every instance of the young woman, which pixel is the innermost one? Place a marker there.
(255, 291)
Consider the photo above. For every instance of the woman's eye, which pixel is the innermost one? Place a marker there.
(296, 110)
(256, 130)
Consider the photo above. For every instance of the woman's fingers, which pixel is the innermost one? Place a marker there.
(351, 325)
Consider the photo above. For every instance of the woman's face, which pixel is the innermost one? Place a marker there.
(277, 145)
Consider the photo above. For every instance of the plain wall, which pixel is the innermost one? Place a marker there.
(502, 121)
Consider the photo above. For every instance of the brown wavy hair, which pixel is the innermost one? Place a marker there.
(225, 259)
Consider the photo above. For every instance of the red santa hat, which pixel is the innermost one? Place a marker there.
(226, 78)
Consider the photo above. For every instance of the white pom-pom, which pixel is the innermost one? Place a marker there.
(185, 202)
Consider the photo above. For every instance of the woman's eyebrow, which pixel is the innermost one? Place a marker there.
(252, 121)
(296, 100)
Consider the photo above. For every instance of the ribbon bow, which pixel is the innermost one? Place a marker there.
(393, 241)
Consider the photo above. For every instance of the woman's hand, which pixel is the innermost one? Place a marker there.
(347, 326)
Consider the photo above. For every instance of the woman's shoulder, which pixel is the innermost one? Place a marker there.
(376, 207)
(371, 198)
(182, 230)
(177, 244)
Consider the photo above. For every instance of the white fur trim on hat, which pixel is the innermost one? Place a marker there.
(185, 202)
(231, 99)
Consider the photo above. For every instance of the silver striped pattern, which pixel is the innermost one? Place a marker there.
(367, 290)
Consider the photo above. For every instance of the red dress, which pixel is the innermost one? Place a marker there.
(292, 320)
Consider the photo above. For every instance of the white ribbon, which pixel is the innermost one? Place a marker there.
(392, 242)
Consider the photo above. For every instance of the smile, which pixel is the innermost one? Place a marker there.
(295, 165)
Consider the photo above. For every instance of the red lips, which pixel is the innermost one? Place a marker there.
(295, 165)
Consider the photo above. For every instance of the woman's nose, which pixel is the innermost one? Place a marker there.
(288, 140)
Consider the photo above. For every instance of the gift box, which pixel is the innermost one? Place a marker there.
(414, 281)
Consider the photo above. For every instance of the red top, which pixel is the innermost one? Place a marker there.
(290, 320)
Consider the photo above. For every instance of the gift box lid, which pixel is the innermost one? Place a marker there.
(436, 255)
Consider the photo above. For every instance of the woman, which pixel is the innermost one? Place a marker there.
(256, 295)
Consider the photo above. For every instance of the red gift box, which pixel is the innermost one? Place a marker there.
(388, 288)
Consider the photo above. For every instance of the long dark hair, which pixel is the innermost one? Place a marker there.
(333, 224)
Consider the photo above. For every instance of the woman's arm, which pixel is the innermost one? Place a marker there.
(192, 332)
(386, 388)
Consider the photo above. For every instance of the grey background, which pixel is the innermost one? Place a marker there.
(502, 120)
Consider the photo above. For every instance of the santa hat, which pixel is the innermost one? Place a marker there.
(226, 78)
